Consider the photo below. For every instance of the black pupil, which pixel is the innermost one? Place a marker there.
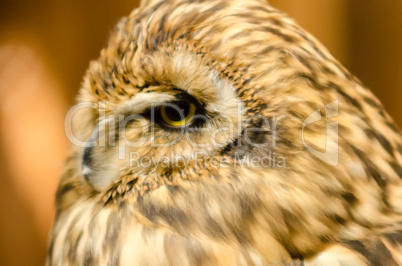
(177, 111)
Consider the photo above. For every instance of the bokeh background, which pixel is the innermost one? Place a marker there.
(45, 48)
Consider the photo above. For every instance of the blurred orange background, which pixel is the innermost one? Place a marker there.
(46, 46)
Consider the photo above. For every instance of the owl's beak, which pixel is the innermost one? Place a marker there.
(87, 157)
(99, 166)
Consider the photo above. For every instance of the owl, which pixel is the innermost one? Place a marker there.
(222, 133)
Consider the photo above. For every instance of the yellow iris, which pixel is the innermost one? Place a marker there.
(188, 115)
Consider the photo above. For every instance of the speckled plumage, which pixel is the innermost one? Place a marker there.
(234, 57)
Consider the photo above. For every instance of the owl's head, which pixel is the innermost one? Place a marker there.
(226, 117)
(211, 82)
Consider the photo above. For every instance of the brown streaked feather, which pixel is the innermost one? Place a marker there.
(222, 53)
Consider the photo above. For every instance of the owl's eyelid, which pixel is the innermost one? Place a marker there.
(184, 96)
(143, 101)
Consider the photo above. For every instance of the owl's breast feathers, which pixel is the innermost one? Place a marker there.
(244, 63)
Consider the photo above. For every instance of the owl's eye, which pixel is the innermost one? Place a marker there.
(184, 112)
(176, 114)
